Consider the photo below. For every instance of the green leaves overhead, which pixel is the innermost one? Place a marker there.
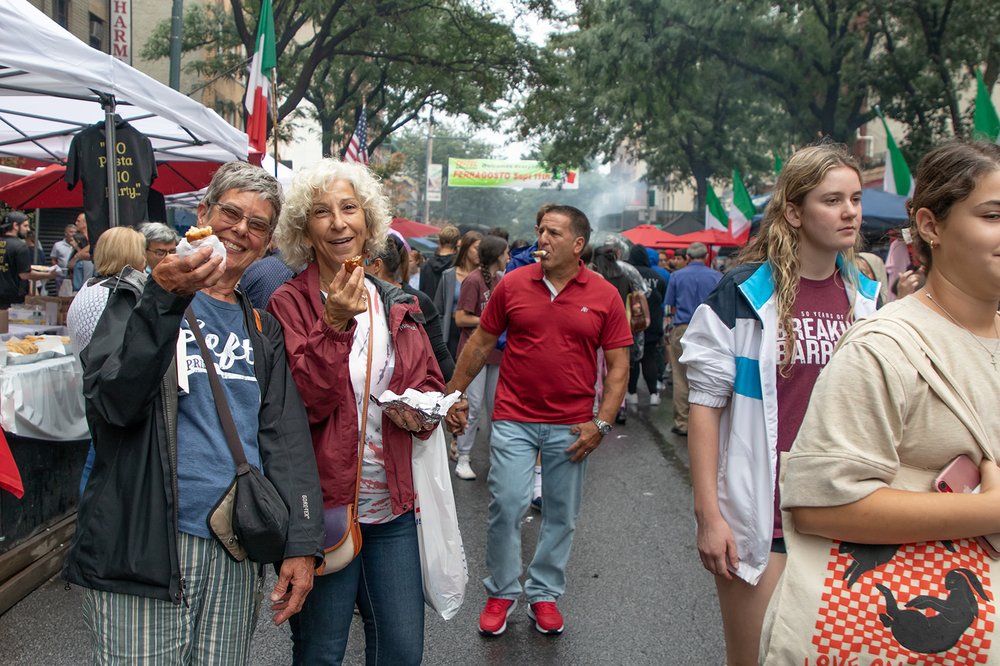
(396, 56)
(697, 88)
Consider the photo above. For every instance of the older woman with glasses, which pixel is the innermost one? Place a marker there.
(159, 586)
(345, 331)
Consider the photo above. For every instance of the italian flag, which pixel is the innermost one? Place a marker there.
(742, 210)
(986, 125)
(259, 82)
(715, 214)
(897, 178)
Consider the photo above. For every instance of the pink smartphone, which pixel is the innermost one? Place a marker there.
(961, 475)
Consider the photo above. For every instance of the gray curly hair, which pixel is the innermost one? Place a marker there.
(290, 234)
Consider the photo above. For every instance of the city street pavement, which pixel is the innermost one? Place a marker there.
(636, 592)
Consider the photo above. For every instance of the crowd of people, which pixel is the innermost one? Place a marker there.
(819, 391)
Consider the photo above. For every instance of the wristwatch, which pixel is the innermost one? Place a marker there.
(603, 427)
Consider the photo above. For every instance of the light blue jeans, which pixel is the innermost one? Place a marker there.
(512, 460)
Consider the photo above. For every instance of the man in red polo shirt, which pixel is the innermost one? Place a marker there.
(557, 314)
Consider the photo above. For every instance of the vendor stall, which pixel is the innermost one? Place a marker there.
(52, 87)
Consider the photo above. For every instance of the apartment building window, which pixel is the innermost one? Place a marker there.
(96, 32)
(60, 12)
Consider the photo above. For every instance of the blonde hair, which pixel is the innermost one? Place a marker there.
(290, 233)
(117, 248)
(777, 242)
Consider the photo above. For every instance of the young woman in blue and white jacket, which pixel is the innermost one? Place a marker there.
(753, 350)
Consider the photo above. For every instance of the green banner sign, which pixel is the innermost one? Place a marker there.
(513, 174)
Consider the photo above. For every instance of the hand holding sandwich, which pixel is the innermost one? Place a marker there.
(346, 297)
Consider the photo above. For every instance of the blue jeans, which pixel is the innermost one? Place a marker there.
(384, 582)
(512, 460)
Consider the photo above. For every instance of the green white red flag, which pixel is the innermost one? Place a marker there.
(897, 178)
(715, 214)
(258, 97)
(742, 211)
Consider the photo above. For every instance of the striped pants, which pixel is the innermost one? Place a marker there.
(224, 598)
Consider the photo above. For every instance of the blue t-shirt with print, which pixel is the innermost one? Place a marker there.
(205, 466)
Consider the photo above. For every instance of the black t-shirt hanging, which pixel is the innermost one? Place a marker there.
(136, 171)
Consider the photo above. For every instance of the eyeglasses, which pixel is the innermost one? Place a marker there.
(231, 215)
(162, 253)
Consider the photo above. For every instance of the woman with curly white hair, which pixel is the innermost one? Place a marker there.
(334, 316)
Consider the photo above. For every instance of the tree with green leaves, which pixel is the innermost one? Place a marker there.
(696, 88)
(660, 98)
(930, 52)
(392, 57)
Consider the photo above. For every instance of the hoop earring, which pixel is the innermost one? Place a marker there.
(931, 243)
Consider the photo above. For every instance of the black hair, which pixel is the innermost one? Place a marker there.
(391, 256)
(490, 249)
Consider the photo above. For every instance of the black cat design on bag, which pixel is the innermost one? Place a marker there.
(869, 557)
(938, 633)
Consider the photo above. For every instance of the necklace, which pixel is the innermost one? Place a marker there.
(996, 350)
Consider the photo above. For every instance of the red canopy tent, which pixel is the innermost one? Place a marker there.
(716, 237)
(654, 237)
(412, 229)
(46, 188)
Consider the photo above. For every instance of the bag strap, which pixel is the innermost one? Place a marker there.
(221, 404)
(364, 404)
(949, 391)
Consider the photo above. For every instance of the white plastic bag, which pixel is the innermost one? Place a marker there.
(185, 248)
(442, 556)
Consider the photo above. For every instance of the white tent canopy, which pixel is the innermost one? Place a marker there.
(52, 85)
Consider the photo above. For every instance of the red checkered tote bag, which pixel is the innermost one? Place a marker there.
(848, 604)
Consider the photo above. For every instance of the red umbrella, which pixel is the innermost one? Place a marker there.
(654, 237)
(47, 189)
(410, 228)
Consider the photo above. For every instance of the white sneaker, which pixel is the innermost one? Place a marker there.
(632, 399)
(654, 399)
(463, 469)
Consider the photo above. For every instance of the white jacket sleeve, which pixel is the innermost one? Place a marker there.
(708, 354)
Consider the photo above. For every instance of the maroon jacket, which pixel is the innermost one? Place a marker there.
(318, 358)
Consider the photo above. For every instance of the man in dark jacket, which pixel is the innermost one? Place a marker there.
(158, 582)
(443, 259)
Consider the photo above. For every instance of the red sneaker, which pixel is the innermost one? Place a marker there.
(493, 619)
(547, 617)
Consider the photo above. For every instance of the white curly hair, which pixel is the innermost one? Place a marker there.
(290, 234)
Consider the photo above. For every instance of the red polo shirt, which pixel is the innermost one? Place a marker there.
(549, 366)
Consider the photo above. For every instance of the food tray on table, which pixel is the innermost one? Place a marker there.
(34, 348)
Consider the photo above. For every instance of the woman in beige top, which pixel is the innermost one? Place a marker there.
(908, 390)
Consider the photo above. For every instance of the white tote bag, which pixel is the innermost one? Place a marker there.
(442, 557)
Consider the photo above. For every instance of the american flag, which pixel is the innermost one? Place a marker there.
(357, 149)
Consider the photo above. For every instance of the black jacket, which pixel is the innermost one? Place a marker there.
(126, 533)
(432, 325)
(430, 272)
